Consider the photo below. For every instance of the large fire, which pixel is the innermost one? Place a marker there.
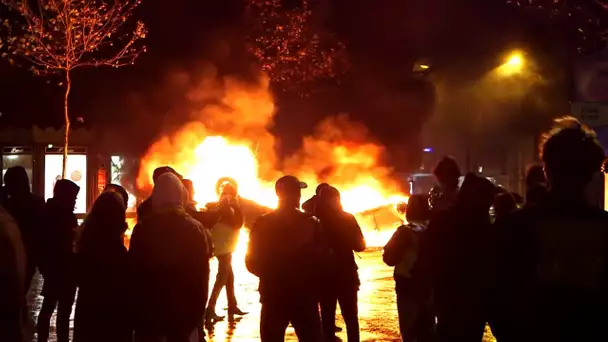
(230, 138)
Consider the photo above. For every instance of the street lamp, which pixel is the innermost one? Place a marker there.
(422, 66)
(514, 64)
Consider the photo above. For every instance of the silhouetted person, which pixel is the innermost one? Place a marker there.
(27, 209)
(504, 204)
(454, 256)
(284, 251)
(102, 312)
(169, 256)
(536, 185)
(447, 173)
(309, 205)
(12, 277)
(204, 218)
(552, 279)
(57, 263)
(340, 283)
(145, 207)
(416, 319)
(225, 236)
(191, 203)
(124, 195)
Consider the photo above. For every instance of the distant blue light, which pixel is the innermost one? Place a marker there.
(428, 150)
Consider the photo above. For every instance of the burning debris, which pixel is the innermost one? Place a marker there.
(230, 139)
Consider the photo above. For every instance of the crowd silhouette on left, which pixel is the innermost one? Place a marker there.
(532, 271)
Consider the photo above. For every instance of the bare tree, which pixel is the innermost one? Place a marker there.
(58, 36)
(289, 46)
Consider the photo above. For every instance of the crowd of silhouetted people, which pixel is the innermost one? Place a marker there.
(470, 255)
(533, 273)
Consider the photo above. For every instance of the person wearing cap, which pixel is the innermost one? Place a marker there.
(146, 207)
(343, 236)
(57, 264)
(285, 252)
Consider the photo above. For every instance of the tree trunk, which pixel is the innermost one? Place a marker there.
(68, 87)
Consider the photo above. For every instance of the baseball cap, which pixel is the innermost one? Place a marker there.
(289, 184)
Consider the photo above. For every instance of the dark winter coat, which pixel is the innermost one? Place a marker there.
(169, 254)
(57, 263)
(103, 295)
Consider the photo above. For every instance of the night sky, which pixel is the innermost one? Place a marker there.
(383, 41)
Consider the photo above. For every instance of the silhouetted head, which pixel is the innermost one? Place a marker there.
(447, 172)
(476, 193)
(504, 203)
(66, 192)
(571, 154)
(289, 191)
(228, 189)
(226, 181)
(169, 192)
(320, 188)
(417, 209)
(16, 181)
(120, 191)
(519, 200)
(105, 223)
(162, 170)
(535, 175)
(401, 207)
(329, 199)
(189, 186)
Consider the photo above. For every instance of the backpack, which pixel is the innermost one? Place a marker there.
(410, 247)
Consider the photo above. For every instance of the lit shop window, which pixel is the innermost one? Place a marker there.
(76, 171)
(117, 176)
(18, 156)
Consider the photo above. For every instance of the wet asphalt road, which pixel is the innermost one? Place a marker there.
(377, 308)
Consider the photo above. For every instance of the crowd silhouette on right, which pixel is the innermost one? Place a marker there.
(537, 273)
(532, 271)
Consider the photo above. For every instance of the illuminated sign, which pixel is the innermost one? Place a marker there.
(17, 150)
(51, 149)
(76, 171)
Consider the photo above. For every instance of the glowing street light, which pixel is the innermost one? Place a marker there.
(516, 60)
(422, 66)
(514, 64)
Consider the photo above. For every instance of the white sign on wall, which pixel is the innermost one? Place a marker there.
(76, 171)
(592, 114)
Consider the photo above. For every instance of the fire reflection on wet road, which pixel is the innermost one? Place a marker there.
(377, 308)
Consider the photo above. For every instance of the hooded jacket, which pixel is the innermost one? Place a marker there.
(169, 254)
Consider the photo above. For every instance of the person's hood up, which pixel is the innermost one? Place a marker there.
(169, 192)
(65, 188)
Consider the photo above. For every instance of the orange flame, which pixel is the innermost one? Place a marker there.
(230, 138)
